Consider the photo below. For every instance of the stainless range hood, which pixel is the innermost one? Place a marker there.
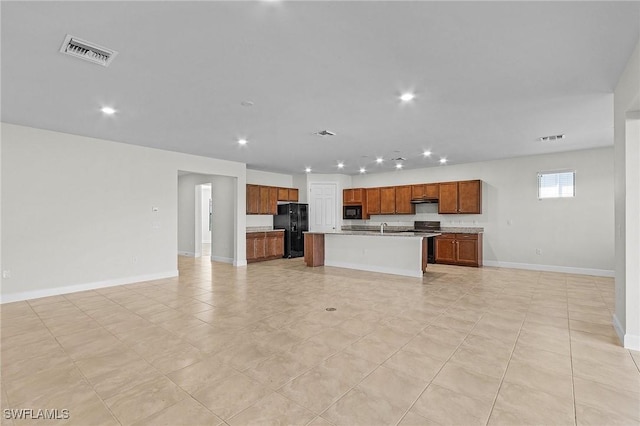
(424, 200)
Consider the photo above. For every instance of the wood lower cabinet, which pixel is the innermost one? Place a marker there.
(265, 246)
(464, 197)
(313, 249)
(459, 249)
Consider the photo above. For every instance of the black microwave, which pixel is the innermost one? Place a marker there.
(352, 212)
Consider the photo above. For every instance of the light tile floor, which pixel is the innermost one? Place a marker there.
(256, 345)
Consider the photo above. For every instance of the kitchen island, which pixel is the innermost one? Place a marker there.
(398, 253)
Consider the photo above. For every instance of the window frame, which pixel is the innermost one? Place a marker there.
(540, 174)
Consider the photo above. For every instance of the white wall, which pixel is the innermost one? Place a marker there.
(627, 194)
(92, 222)
(222, 188)
(574, 234)
(258, 177)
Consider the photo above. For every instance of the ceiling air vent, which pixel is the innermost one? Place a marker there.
(88, 51)
(551, 138)
(325, 133)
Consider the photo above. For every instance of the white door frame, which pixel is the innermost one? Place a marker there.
(197, 229)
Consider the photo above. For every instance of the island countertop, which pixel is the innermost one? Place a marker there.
(404, 234)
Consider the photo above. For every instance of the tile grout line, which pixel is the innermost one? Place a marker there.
(513, 348)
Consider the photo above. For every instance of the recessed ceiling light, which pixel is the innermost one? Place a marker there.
(398, 165)
(362, 170)
(340, 165)
(443, 161)
(379, 160)
(407, 97)
(427, 153)
(307, 169)
(108, 110)
(242, 141)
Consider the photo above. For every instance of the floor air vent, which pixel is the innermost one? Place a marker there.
(88, 51)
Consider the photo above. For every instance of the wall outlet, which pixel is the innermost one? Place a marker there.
(539, 252)
(6, 274)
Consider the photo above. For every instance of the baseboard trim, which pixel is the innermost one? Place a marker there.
(632, 342)
(551, 268)
(618, 328)
(36, 294)
(186, 253)
(240, 262)
(374, 268)
(222, 259)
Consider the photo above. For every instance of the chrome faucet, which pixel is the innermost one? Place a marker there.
(382, 225)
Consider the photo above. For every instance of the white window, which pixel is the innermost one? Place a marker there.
(556, 184)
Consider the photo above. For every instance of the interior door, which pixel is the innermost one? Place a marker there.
(322, 207)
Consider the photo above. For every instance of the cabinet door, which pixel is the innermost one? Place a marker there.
(293, 195)
(251, 248)
(403, 200)
(418, 191)
(448, 198)
(264, 200)
(373, 201)
(253, 199)
(467, 249)
(260, 247)
(273, 201)
(283, 194)
(357, 195)
(347, 196)
(431, 190)
(445, 247)
(470, 197)
(388, 200)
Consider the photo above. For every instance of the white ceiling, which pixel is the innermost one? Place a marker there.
(490, 77)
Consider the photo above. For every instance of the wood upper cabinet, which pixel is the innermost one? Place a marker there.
(464, 197)
(253, 199)
(388, 200)
(459, 249)
(448, 198)
(264, 199)
(424, 191)
(373, 201)
(403, 200)
(353, 196)
(288, 194)
(283, 194)
(268, 200)
(470, 197)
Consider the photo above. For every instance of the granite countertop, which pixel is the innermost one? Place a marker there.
(386, 233)
(255, 229)
(392, 229)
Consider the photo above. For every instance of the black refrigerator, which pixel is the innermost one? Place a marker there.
(294, 219)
